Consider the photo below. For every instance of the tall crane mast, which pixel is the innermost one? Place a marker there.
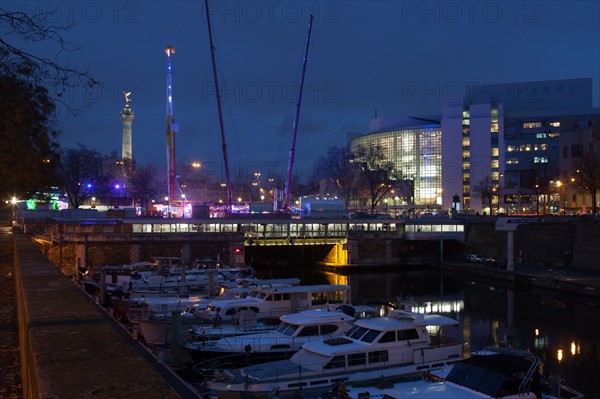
(172, 128)
(286, 201)
(218, 95)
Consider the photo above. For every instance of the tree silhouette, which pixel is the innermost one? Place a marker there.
(20, 28)
(484, 189)
(28, 149)
(338, 166)
(378, 172)
(32, 86)
(81, 173)
(588, 177)
(143, 185)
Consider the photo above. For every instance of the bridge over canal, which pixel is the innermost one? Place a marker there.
(334, 242)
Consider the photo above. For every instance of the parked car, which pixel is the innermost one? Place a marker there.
(490, 261)
(475, 258)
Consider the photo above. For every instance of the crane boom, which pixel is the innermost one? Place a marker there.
(218, 95)
(286, 200)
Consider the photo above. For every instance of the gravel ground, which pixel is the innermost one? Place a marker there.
(10, 362)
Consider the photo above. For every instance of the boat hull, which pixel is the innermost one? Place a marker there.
(231, 384)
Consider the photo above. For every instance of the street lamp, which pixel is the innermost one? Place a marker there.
(562, 199)
(168, 206)
(13, 201)
(183, 205)
(117, 186)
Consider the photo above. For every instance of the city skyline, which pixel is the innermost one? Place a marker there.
(366, 58)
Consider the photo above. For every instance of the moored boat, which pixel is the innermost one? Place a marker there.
(500, 373)
(400, 344)
(275, 301)
(294, 330)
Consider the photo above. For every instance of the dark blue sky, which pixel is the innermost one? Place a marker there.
(400, 58)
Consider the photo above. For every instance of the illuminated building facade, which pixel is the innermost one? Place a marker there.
(511, 134)
(415, 149)
(500, 148)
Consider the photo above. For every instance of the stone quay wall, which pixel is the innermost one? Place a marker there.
(69, 349)
(552, 243)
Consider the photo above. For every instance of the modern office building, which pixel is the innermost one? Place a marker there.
(415, 148)
(500, 148)
(510, 134)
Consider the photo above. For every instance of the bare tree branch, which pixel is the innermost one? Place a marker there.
(39, 70)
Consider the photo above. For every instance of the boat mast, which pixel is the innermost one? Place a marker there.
(218, 95)
(286, 200)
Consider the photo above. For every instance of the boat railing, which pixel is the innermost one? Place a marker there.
(565, 392)
(211, 368)
(534, 368)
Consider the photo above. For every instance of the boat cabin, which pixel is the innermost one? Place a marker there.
(273, 302)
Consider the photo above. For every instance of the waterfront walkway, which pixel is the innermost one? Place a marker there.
(68, 348)
(566, 279)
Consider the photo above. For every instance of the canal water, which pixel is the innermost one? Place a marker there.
(563, 330)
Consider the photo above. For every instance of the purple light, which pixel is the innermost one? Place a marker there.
(89, 185)
(117, 186)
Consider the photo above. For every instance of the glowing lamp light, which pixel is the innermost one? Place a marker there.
(559, 355)
(13, 200)
(117, 186)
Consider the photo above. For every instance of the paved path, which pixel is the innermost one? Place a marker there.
(10, 362)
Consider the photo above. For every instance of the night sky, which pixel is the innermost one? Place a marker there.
(393, 58)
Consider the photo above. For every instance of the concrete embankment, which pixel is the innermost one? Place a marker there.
(567, 280)
(69, 348)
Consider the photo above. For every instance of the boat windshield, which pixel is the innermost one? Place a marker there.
(288, 330)
(357, 332)
(310, 360)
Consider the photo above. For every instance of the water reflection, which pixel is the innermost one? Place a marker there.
(563, 331)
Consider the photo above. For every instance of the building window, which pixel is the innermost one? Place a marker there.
(531, 125)
(555, 124)
(511, 148)
(541, 135)
(577, 150)
(540, 160)
(512, 161)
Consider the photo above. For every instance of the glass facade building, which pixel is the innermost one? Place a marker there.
(416, 153)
